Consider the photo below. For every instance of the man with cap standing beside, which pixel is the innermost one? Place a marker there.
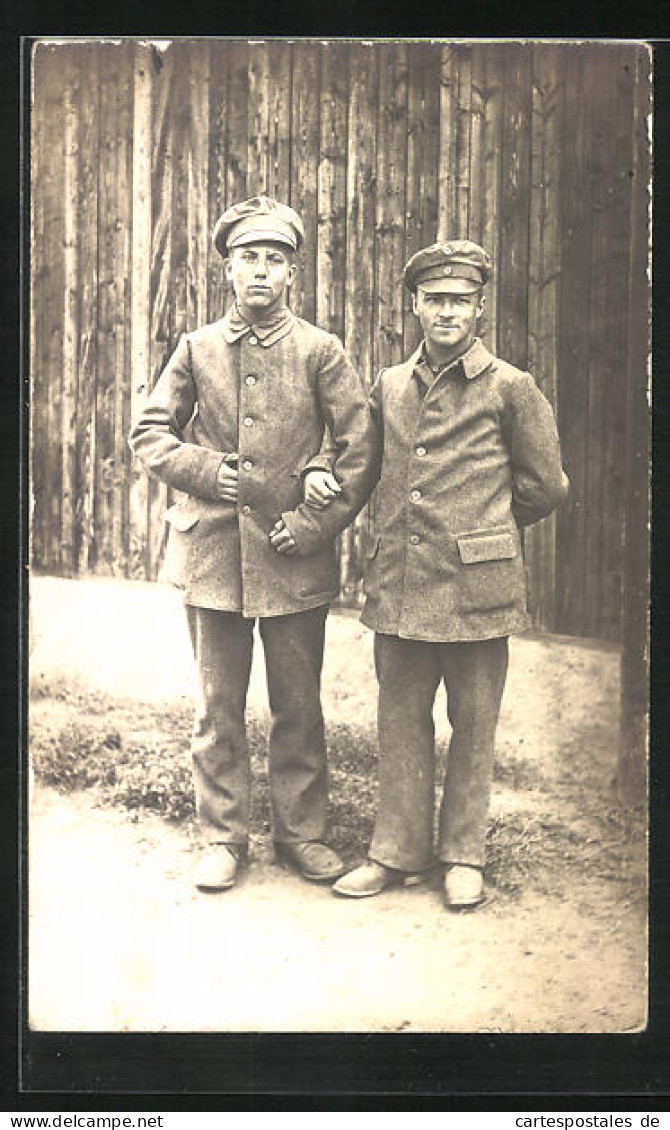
(234, 422)
(470, 454)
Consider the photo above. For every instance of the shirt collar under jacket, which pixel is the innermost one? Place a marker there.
(268, 332)
(471, 363)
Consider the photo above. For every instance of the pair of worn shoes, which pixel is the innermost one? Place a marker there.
(218, 867)
(463, 885)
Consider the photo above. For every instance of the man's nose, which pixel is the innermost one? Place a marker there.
(261, 266)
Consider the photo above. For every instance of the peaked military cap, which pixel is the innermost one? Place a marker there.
(456, 265)
(259, 218)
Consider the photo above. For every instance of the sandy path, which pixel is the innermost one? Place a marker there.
(119, 940)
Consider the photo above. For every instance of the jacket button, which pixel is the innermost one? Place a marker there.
(421, 451)
(246, 510)
(250, 380)
(248, 422)
(252, 340)
(415, 495)
(247, 464)
(415, 539)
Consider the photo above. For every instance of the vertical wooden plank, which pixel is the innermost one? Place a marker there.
(89, 140)
(463, 143)
(161, 268)
(120, 297)
(491, 174)
(332, 180)
(48, 506)
(389, 252)
(70, 78)
(278, 177)
(197, 219)
(423, 138)
(38, 369)
(544, 271)
(477, 183)
(359, 283)
(182, 144)
(108, 297)
(218, 163)
(574, 340)
(258, 114)
(360, 266)
(304, 169)
(632, 767)
(140, 312)
(238, 182)
(268, 119)
(446, 183)
(610, 162)
(513, 292)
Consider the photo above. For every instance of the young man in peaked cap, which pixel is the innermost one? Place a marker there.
(234, 422)
(469, 454)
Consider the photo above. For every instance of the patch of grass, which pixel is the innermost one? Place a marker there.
(529, 851)
(136, 755)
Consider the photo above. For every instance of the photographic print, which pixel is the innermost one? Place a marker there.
(339, 468)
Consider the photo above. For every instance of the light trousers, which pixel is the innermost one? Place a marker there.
(293, 646)
(409, 673)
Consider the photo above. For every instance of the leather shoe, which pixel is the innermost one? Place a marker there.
(464, 887)
(313, 860)
(372, 878)
(217, 869)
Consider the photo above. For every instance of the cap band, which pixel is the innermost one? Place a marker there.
(453, 270)
(254, 229)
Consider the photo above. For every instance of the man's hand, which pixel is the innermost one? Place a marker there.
(226, 479)
(320, 489)
(282, 539)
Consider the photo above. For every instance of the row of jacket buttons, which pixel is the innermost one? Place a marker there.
(248, 420)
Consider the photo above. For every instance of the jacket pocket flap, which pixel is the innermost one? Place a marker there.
(180, 518)
(486, 547)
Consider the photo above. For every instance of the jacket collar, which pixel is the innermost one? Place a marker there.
(234, 326)
(473, 362)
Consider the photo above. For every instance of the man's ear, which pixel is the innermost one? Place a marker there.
(414, 309)
(228, 268)
(480, 306)
(292, 272)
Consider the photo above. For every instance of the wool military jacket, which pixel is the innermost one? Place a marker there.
(265, 393)
(468, 457)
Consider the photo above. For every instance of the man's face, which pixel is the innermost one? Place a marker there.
(448, 319)
(260, 274)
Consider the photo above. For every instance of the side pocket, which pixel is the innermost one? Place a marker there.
(492, 574)
(181, 522)
(179, 518)
(487, 545)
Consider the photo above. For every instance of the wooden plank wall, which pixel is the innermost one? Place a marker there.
(383, 147)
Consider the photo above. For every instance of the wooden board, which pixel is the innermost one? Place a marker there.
(390, 296)
(607, 343)
(140, 311)
(515, 197)
(543, 277)
(573, 343)
(332, 186)
(304, 171)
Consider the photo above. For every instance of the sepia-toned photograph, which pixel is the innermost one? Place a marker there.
(339, 535)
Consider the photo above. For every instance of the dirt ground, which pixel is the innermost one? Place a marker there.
(120, 940)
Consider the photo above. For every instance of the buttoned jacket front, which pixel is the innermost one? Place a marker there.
(265, 395)
(463, 467)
